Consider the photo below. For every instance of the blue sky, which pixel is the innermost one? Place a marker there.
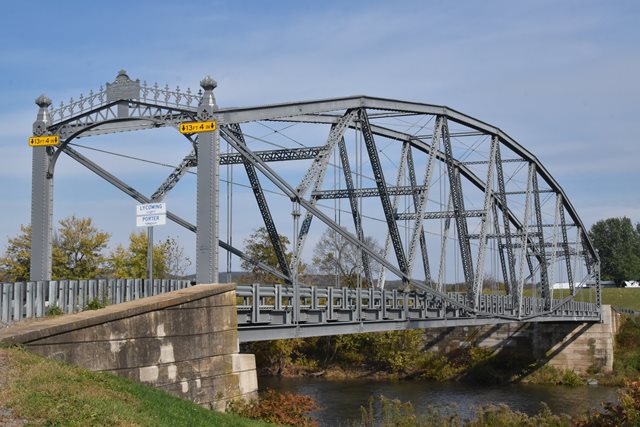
(559, 77)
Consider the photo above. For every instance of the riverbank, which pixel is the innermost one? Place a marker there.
(39, 391)
(399, 355)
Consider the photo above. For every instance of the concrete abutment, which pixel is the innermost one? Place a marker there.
(184, 342)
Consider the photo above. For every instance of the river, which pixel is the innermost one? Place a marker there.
(340, 400)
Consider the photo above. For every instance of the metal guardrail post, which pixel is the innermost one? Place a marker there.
(277, 303)
(330, 316)
(255, 312)
(296, 304)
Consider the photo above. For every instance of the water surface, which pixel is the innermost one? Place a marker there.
(341, 399)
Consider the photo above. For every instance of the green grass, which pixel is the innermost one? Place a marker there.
(51, 393)
(617, 297)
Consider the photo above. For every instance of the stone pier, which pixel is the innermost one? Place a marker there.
(564, 345)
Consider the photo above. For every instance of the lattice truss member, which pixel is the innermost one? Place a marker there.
(454, 203)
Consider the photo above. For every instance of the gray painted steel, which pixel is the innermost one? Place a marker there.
(512, 217)
(207, 190)
(41, 198)
(273, 311)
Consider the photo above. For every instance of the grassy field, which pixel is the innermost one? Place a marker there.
(617, 297)
(50, 393)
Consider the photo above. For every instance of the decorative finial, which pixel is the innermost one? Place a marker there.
(122, 77)
(43, 101)
(208, 83)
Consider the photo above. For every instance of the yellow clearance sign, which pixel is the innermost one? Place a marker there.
(44, 141)
(195, 127)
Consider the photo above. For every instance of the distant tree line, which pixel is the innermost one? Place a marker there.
(79, 251)
(618, 243)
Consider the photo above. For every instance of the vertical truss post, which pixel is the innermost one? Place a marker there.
(207, 190)
(355, 212)
(597, 280)
(554, 252)
(476, 290)
(458, 207)
(421, 204)
(503, 261)
(524, 240)
(542, 258)
(41, 199)
(443, 248)
(576, 258)
(423, 240)
(261, 200)
(315, 174)
(565, 247)
(510, 281)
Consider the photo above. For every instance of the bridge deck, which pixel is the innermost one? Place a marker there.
(275, 311)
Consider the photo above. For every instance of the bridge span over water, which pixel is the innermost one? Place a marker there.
(454, 202)
(266, 312)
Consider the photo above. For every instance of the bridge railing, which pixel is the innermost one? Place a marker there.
(24, 300)
(278, 305)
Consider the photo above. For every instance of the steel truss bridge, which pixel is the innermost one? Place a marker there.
(470, 226)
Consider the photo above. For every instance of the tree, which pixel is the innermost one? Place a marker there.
(76, 252)
(618, 244)
(132, 262)
(15, 264)
(259, 248)
(77, 249)
(177, 261)
(336, 255)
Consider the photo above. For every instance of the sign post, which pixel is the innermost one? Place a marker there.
(148, 215)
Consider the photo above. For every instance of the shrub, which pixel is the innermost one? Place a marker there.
(622, 414)
(435, 367)
(278, 408)
(95, 304)
(54, 310)
(397, 414)
(548, 374)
